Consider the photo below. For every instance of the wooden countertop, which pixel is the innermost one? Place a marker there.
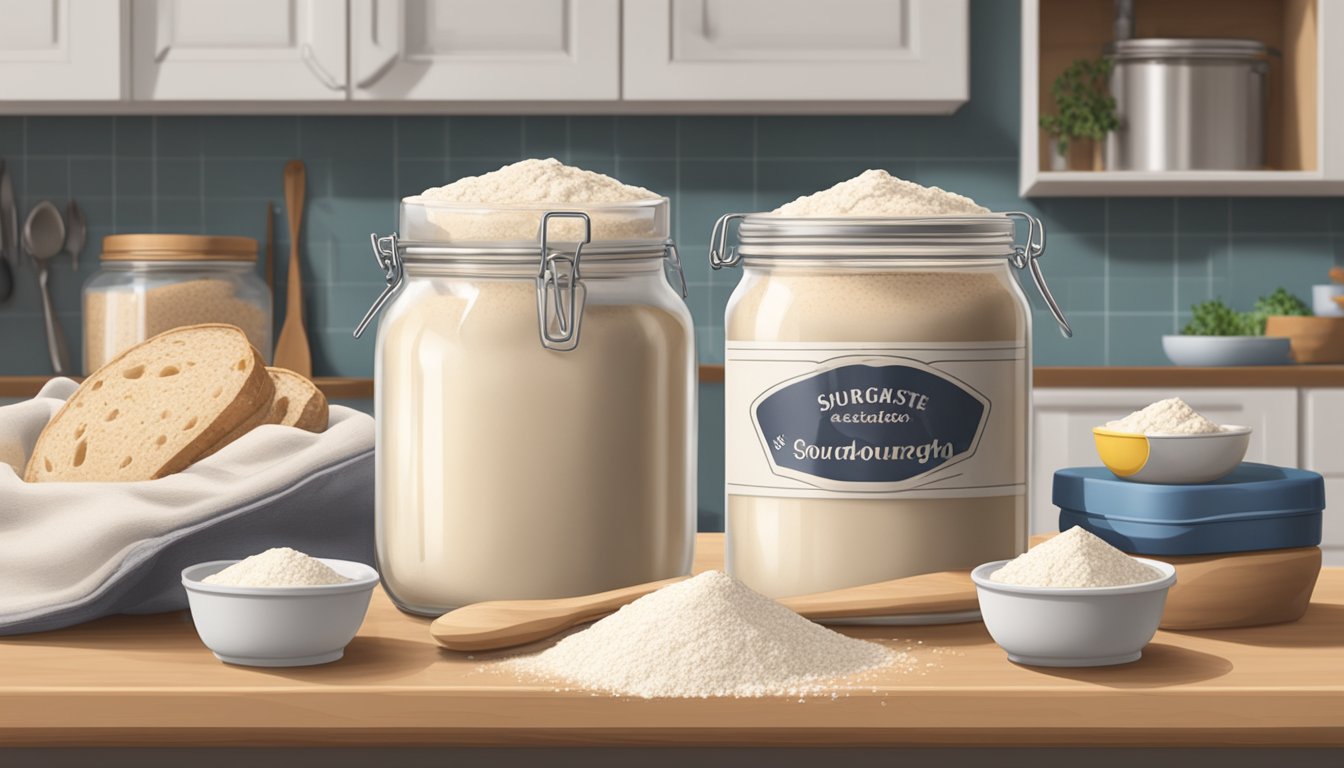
(1164, 377)
(147, 681)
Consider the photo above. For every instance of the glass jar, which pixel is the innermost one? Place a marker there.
(877, 395)
(535, 404)
(148, 284)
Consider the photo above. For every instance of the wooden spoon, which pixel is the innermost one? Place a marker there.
(291, 349)
(506, 623)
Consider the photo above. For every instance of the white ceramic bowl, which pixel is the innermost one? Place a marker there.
(1085, 627)
(1227, 350)
(1172, 459)
(279, 626)
(1323, 300)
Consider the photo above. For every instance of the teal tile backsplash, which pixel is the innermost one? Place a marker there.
(1126, 270)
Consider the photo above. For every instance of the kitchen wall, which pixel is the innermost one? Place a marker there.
(1126, 270)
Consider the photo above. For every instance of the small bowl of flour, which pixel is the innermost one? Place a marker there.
(1168, 442)
(1073, 601)
(278, 608)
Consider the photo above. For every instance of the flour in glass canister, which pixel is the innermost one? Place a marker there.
(790, 532)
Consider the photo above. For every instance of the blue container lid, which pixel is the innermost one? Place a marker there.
(1256, 507)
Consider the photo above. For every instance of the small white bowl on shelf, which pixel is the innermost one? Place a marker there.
(1172, 459)
(1078, 627)
(1227, 351)
(279, 626)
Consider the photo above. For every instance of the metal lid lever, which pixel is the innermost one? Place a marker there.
(1025, 256)
(560, 291)
(385, 252)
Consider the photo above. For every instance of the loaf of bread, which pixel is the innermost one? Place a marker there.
(156, 408)
(297, 402)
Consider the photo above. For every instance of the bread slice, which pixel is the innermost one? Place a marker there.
(298, 402)
(155, 409)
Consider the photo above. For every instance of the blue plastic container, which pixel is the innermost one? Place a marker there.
(1256, 507)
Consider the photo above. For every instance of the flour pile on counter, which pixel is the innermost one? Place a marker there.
(1172, 416)
(277, 567)
(878, 193)
(1074, 558)
(707, 636)
(537, 184)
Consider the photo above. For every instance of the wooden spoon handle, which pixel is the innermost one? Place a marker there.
(941, 592)
(506, 623)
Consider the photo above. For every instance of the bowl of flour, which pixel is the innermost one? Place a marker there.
(278, 608)
(1073, 601)
(1168, 442)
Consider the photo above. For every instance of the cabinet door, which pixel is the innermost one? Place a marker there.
(243, 50)
(485, 50)
(60, 50)
(1064, 418)
(1323, 451)
(913, 54)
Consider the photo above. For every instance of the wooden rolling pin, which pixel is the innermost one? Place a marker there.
(506, 623)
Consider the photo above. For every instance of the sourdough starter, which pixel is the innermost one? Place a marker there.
(507, 470)
(793, 537)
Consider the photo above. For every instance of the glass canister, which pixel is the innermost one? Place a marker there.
(150, 283)
(877, 396)
(535, 402)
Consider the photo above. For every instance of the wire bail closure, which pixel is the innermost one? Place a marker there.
(672, 258)
(1025, 256)
(385, 253)
(720, 253)
(560, 289)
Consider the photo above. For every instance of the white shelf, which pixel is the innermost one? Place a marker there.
(1326, 180)
(1179, 183)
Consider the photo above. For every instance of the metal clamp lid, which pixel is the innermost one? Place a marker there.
(560, 291)
(720, 253)
(1025, 256)
(394, 271)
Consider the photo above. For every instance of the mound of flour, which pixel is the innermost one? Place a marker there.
(1172, 416)
(707, 636)
(537, 186)
(277, 567)
(539, 181)
(878, 193)
(1074, 558)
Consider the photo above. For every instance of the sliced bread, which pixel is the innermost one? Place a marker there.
(156, 408)
(297, 403)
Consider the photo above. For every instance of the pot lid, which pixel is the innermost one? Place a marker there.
(1186, 48)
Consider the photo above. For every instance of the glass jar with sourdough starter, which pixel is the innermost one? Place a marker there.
(150, 283)
(877, 396)
(535, 403)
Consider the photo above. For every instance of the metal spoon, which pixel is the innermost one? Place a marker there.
(76, 232)
(43, 238)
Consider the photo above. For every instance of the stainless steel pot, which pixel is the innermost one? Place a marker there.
(1188, 104)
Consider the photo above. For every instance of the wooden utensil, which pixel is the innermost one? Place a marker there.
(270, 249)
(291, 349)
(506, 623)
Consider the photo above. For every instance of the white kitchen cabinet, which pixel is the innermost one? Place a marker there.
(1323, 451)
(60, 50)
(912, 55)
(485, 50)
(1064, 418)
(245, 50)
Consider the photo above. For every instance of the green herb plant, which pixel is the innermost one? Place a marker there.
(1086, 107)
(1216, 318)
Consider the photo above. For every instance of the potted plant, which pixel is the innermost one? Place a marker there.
(1086, 110)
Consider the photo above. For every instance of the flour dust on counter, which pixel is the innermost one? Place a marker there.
(709, 636)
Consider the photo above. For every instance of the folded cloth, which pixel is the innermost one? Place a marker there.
(72, 552)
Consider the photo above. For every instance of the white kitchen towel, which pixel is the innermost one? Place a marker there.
(71, 552)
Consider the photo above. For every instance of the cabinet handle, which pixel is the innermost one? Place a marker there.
(378, 24)
(320, 72)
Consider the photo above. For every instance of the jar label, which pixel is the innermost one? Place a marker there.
(901, 420)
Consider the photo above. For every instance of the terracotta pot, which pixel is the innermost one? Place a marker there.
(1314, 339)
